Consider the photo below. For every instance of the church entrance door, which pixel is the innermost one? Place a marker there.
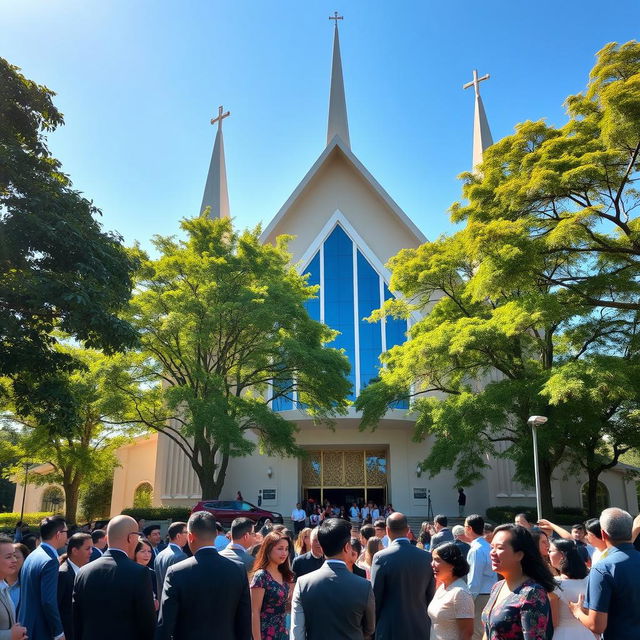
(343, 477)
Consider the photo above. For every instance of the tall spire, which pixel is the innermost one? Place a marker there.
(216, 194)
(481, 132)
(338, 124)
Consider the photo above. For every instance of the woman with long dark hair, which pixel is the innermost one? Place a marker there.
(451, 610)
(572, 582)
(518, 607)
(270, 587)
(143, 555)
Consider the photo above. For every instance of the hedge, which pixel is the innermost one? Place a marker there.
(562, 515)
(180, 514)
(8, 520)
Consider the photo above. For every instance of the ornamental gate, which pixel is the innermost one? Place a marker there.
(345, 476)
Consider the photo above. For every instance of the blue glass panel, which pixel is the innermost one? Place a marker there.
(338, 293)
(396, 330)
(313, 306)
(370, 333)
(282, 403)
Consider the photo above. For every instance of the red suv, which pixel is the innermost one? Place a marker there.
(226, 511)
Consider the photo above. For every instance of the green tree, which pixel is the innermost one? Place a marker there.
(95, 499)
(58, 268)
(509, 328)
(82, 453)
(221, 317)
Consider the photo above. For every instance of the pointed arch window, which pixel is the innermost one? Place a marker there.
(350, 289)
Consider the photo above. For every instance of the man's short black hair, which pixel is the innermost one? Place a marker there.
(202, 524)
(50, 526)
(380, 524)
(441, 520)
(525, 516)
(149, 528)
(593, 527)
(97, 535)
(240, 527)
(579, 527)
(219, 528)
(76, 541)
(175, 529)
(333, 535)
(367, 531)
(357, 545)
(476, 522)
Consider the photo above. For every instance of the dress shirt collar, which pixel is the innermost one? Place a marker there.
(46, 545)
(114, 550)
(400, 540)
(73, 565)
(235, 545)
(175, 546)
(209, 546)
(3, 585)
(335, 561)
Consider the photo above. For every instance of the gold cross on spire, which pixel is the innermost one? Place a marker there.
(475, 82)
(221, 117)
(336, 17)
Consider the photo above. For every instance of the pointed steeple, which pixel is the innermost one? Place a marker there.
(216, 194)
(338, 124)
(481, 132)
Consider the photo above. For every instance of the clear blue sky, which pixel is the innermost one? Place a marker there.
(139, 80)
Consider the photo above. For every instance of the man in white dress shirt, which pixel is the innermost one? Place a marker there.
(299, 517)
(480, 578)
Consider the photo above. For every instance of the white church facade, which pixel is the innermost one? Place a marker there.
(345, 228)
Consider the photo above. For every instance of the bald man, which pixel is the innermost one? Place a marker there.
(112, 596)
(310, 561)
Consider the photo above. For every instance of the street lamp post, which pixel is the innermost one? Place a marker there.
(533, 422)
(24, 488)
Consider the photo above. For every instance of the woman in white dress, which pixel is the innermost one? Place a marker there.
(572, 581)
(451, 610)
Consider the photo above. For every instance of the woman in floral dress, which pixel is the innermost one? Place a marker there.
(518, 607)
(270, 587)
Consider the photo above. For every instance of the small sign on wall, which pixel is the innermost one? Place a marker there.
(420, 493)
(269, 495)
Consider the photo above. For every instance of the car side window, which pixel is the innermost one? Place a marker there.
(244, 506)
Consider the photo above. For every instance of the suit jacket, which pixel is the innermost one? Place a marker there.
(403, 586)
(204, 597)
(38, 610)
(306, 563)
(239, 556)
(66, 577)
(358, 571)
(332, 603)
(95, 554)
(7, 615)
(112, 598)
(444, 535)
(168, 556)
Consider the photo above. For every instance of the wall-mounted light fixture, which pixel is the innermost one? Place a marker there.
(269, 472)
(419, 470)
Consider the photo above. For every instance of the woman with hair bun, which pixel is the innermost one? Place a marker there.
(451, 610)
(572, 582)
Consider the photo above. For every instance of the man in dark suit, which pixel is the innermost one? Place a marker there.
(172, 553)
(332, 602)
(38, 610)
(403, 585)
(242, 538)
(112, 596)
(153, 535)
(206, 595)
(78, 554)
(443, 533)
(99, 538)
(310, 561)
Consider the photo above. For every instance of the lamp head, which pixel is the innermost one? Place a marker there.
(537, 421)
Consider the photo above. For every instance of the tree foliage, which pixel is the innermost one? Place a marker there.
(531, 308)
(58, 269)
(221, 317)
(80, 454)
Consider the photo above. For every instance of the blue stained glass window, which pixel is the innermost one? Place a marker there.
(282, 403)
(370, 333)
(396, 331)
(313, 305)
(338, 293)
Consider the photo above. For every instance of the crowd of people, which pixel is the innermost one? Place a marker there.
(357, 513)
(331, 581)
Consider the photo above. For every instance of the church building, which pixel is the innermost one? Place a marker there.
(345, 228)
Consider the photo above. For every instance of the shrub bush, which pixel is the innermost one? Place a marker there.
(562, 515)
(8, 520)
(159, 513)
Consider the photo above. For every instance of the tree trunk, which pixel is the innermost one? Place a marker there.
(206, 471)
(71, 495)
(592, 493)
(546, 471)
